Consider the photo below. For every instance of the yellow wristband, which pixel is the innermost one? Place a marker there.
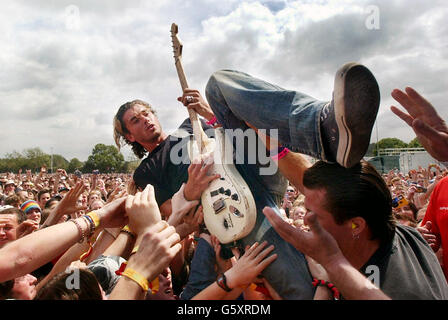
(95, 218)
(137, 277)
(134, 250)
(127, 230)
(155, 285)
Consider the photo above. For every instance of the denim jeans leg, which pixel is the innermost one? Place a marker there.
(266, 106)
(288, 274)
(202, 270)
(237, 97)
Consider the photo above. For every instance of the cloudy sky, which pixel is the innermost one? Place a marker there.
(68, 65)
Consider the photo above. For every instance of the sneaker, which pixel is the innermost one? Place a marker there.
(347, 121)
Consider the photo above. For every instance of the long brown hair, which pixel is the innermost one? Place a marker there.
(120, 129)
(57, 289)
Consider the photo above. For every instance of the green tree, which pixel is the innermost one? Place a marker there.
(387, 143)
(59, 162)
(36, 158)
(105, 159)
(414, 143)
(13, 162)
(130, 166)
(74, 164)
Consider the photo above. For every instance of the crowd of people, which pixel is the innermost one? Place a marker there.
(320, 227)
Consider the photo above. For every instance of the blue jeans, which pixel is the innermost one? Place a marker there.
(202, 270)
(236, 97)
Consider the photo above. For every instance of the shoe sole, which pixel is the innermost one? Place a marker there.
(356, 100)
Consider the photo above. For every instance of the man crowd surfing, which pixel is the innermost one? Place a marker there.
(328, 225)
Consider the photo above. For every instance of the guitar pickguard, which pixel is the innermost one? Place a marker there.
(228, 204)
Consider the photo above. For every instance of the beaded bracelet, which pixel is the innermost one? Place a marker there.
(81, 232)
(329, 285)
(90, 223)
(127, 230)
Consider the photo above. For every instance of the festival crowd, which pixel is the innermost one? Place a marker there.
(142, 235)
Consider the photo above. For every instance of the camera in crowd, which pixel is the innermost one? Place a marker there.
(419, 188)
(78, 173)
(399, 202)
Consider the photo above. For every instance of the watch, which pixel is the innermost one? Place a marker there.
(222, 282)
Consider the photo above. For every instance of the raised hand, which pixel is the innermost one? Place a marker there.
(142, 210)
(68, 205)
(159, 245)
(198, 179)
(254, 260)
(113, 214)
(316, 243)
(197, 103)
(430, 128)
(430, 237)
(26, 227)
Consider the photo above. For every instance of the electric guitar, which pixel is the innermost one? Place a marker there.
(228, 205)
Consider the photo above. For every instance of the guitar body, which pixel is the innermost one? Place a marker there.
(229, 208)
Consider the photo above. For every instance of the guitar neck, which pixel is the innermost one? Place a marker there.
(198, 132)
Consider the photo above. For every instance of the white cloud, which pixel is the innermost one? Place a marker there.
(60, 86)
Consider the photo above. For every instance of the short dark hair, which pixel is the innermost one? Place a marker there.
(21, 216)
(41, 192)
(120, 129)
(359, 191)
(55, 198)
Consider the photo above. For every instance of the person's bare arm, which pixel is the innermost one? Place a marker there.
(323, 248)
(158, 244)
(26, 254)
(122, 246)
(242, 274)
(67, 205)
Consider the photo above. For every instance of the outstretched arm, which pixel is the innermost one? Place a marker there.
(34, 250)
(323, 248)
(430, 128)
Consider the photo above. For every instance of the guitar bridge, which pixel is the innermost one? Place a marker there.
(236, 212)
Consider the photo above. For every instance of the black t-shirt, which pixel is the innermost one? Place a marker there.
(408, 268)
(166, 167)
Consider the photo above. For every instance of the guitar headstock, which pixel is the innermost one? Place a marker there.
(177, 45)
